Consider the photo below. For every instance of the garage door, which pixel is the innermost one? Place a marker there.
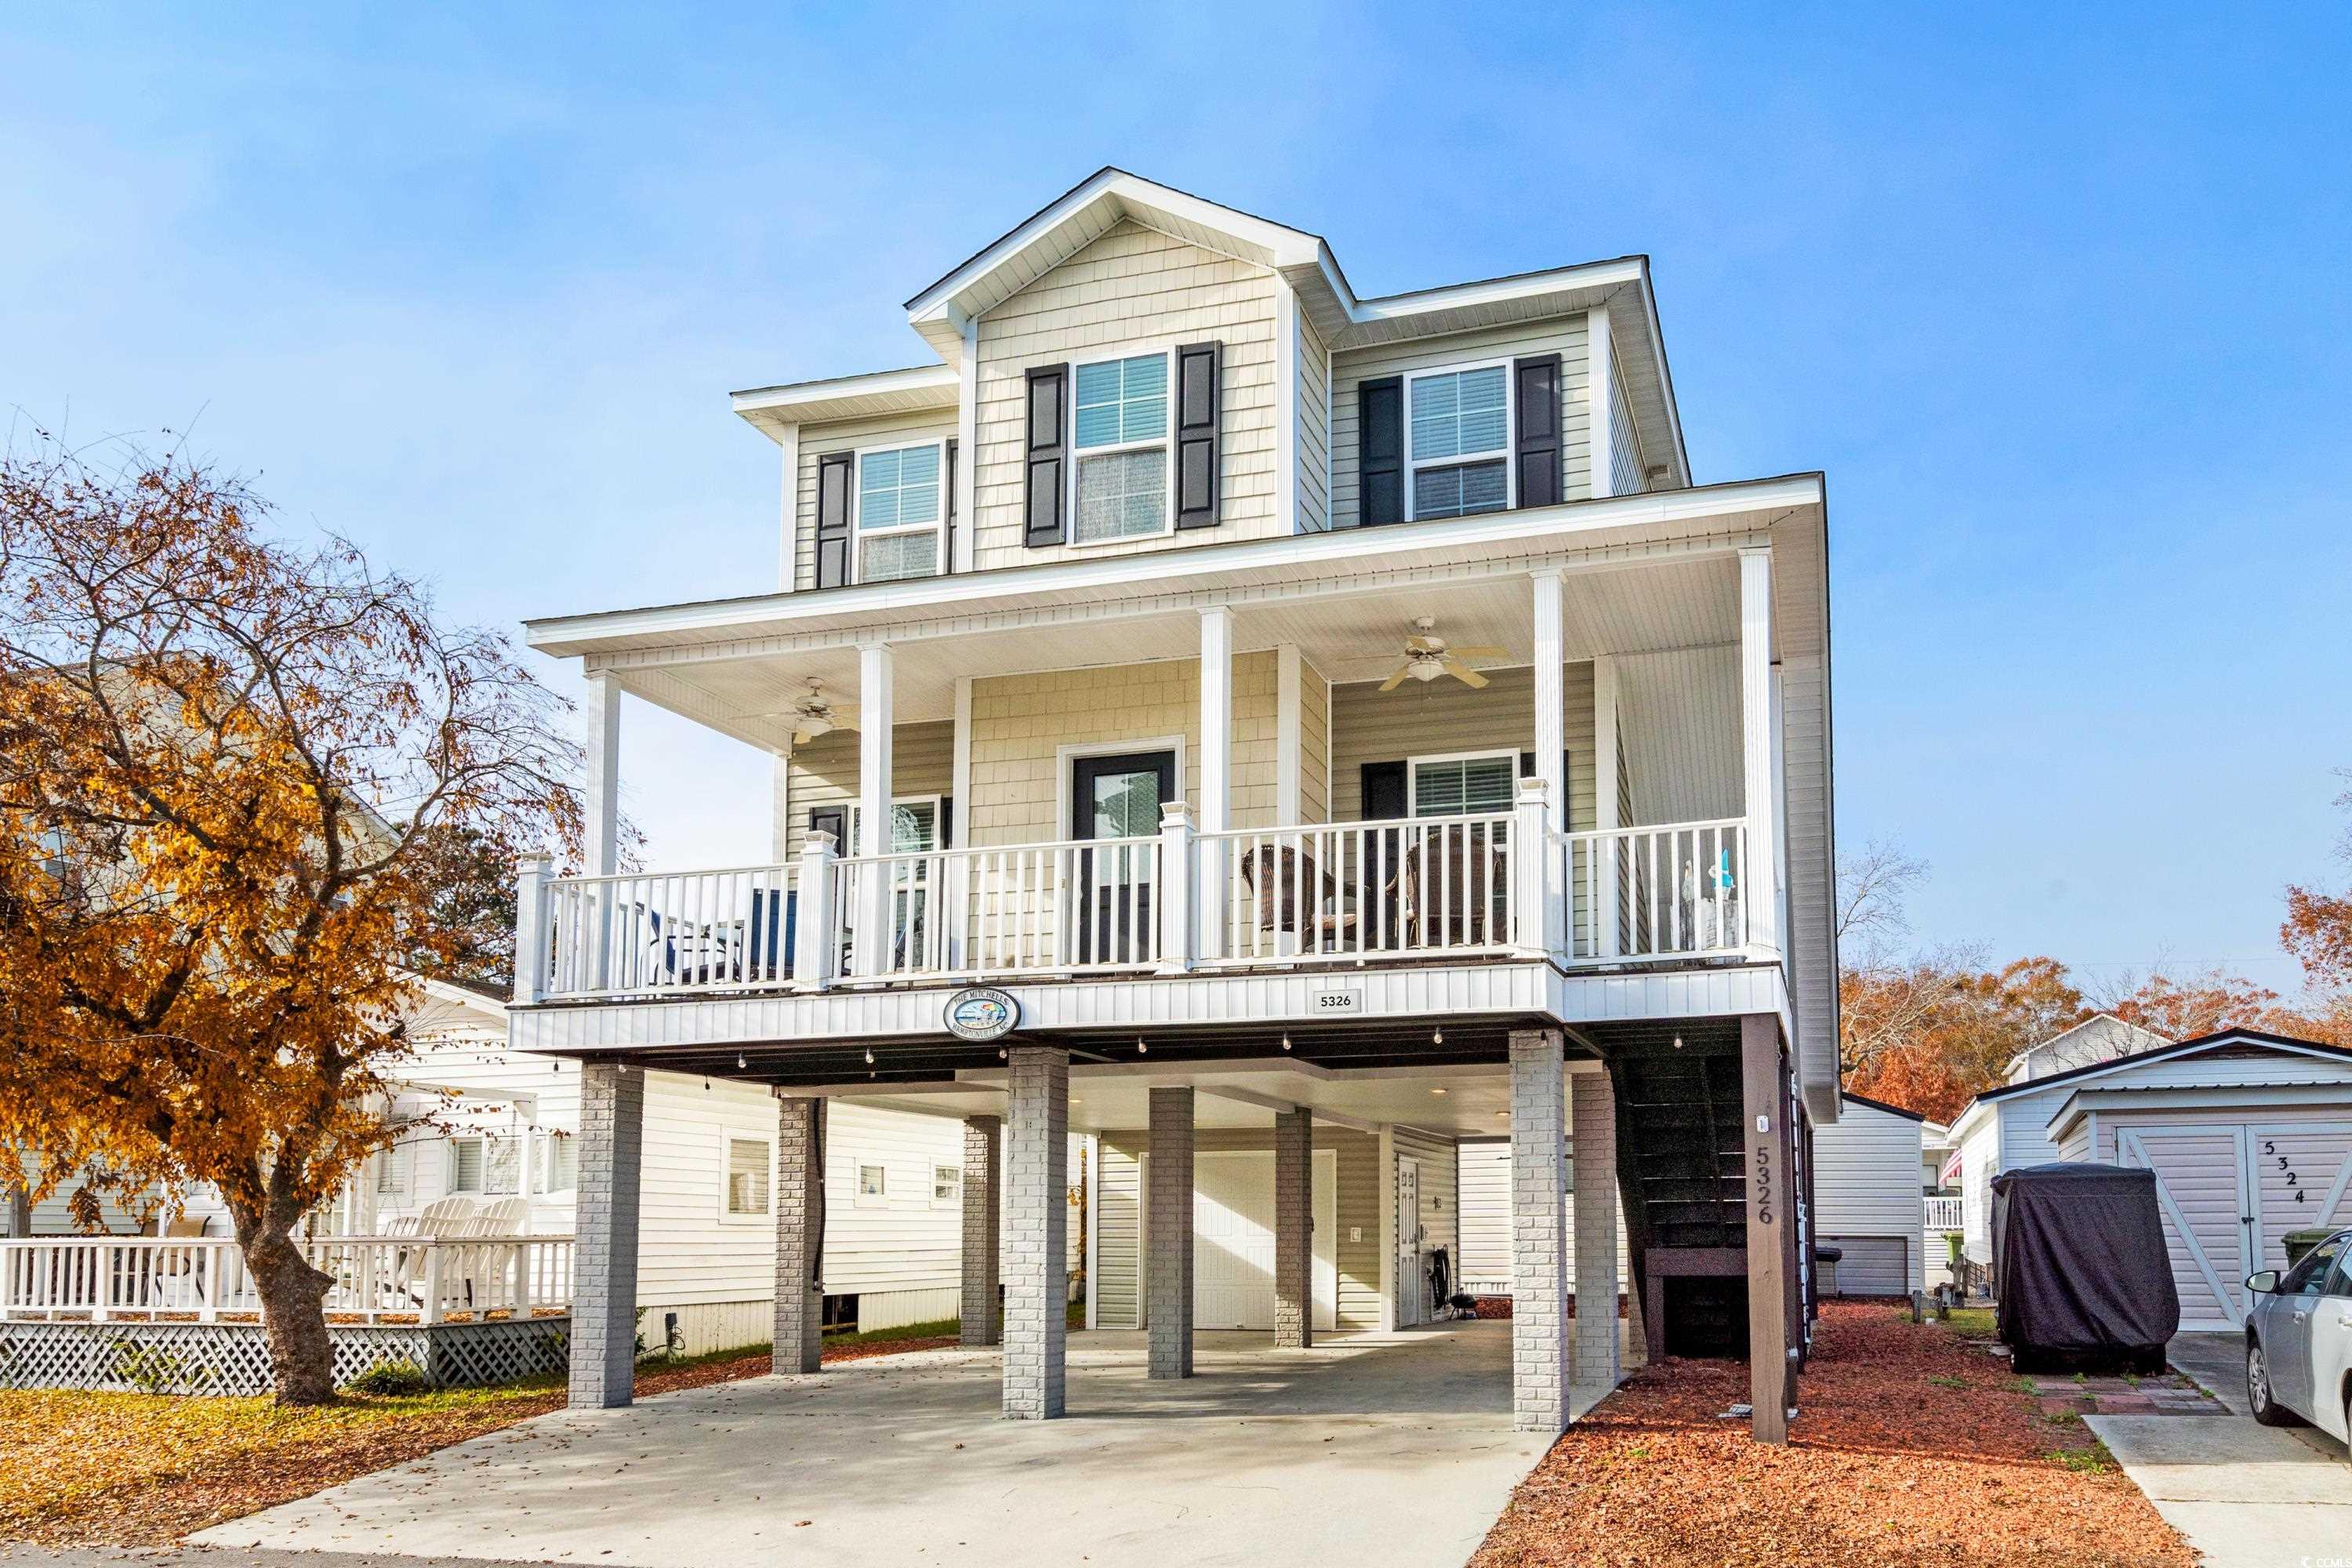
(1873, 1264)
(2230, 1193)
(1233, 1241)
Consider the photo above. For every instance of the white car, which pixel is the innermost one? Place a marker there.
(2299, 1341)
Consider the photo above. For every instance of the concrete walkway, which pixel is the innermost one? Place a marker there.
(1394, 1449)
(2246, 1496)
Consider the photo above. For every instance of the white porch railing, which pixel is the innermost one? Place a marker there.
(679, 933)
(993, 911)
(1423, 888)
(1678, 889)
(1350, 890)
(1943, 1215)
(105, 1278)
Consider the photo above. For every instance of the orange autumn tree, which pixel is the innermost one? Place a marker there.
(222, 763)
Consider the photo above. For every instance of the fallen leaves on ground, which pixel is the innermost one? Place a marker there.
(1914, 1450)
(139, 1470)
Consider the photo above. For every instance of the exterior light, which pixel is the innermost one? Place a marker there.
(1437, 1091)
(869, 1055)
(1140, 1049)
(1286, 1042)
(741, 1063)
(1436, 1037)
(1678, 1042)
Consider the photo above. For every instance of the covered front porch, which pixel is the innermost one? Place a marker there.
(1277, 770)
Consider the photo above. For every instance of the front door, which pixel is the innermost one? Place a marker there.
(1115, 798)
(1411, 1286)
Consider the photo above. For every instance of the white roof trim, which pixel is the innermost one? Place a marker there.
(459, 996)
(800, 395)
(966, 593)
(2184, 1095)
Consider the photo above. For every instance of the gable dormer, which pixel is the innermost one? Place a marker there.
(1135, 369)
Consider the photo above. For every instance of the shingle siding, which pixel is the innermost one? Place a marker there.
(817, 440)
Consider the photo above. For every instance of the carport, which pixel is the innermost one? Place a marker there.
(1394, 1448)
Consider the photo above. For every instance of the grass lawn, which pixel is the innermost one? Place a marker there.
(1913, 1448)
(139, 1470)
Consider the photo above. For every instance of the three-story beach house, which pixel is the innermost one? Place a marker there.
(1287, 734)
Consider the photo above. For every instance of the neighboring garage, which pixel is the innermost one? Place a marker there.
(2250, 1136)
(1872, 1204)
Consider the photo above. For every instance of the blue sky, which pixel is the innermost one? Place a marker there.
(2063, 313)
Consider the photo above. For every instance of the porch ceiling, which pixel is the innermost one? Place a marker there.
(1686, 601)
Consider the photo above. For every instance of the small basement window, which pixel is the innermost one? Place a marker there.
(1122, 411)
(1458, 440)
(947, 1184)
(873, 1187)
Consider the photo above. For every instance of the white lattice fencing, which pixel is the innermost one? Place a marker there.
(233, 1358)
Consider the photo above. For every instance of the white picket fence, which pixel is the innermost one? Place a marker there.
(1943, 1215)
(112, 1278)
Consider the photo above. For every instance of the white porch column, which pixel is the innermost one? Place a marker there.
(800, 1222)
(1539, 1321)
(532, 946)
(1609, 812)
(1216, 767)
(1760, 896)
(603, 804)
(870, 943)
(604, 1280)
(1549, 873)
(1037, 1218)
(1592, 1107)
(1168, 1268)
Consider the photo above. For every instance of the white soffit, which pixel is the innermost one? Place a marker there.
(917, 389)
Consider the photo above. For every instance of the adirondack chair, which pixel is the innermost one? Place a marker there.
(442, 1218)
(478, 1270)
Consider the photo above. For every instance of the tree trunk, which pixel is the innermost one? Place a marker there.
(293, 1313)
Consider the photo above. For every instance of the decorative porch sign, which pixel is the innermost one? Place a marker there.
(982, 1012)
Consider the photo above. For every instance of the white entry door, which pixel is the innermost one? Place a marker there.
(1411, 1288)
(1233, 1241)
(2202, 1190)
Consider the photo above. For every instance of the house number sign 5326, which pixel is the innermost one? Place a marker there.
(1762, 1176)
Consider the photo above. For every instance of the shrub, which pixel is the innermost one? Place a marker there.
(397, 1376)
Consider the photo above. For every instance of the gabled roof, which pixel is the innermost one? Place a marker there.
(1109, 196)
(2202, 1043)
(2101, 1023)
(1865, 1100)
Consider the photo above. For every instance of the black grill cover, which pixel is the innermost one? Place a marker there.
(2079, 1258)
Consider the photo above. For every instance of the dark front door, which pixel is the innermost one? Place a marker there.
(1118, 798)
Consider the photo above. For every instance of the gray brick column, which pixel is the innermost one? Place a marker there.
(1294, 1229)
(1540, 1366)
(1593, 1106)
(982, 1135)
(604, 1280)
(1167, 1232)
(1037, 1217)
(800, 1236)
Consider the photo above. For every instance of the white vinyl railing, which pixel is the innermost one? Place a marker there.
(1943, 1215)
(104, 1278)
(678, 932)
(1353, 890)
(1028, 909)
(1677, 888)
(1421, 888)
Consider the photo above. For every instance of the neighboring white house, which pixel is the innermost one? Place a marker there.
(1869, 1200)
(2250, 1135)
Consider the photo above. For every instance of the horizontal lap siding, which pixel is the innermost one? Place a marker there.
(686, 1252)
(1564, 337)
(1867, 1185)
(1486, 1216)
(817, 440)
(1314, 431)
(908, 1243)
(1627, 471)
(1130, 291)
(1356, 1159)
(1679, 721)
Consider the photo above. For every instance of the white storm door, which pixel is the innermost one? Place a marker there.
(2202, 1192)
(1233, 1241)
(2302, 1180)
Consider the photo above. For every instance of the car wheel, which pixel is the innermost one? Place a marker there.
(2267, 1409)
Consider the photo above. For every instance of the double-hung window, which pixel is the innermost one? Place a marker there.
(1120, 411)
(1473, 786)
(901, 497)
(748, 1162)
(1458, 440)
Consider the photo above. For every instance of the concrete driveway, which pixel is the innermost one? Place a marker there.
(2245, 1496)
(1394, 1449)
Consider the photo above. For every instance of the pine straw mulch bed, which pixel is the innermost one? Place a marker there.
(137, 1470)
(1915, 1448)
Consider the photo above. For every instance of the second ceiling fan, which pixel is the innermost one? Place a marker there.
(1427, 657)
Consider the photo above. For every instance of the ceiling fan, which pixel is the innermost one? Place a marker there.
(1427, 657)
(814, 714)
